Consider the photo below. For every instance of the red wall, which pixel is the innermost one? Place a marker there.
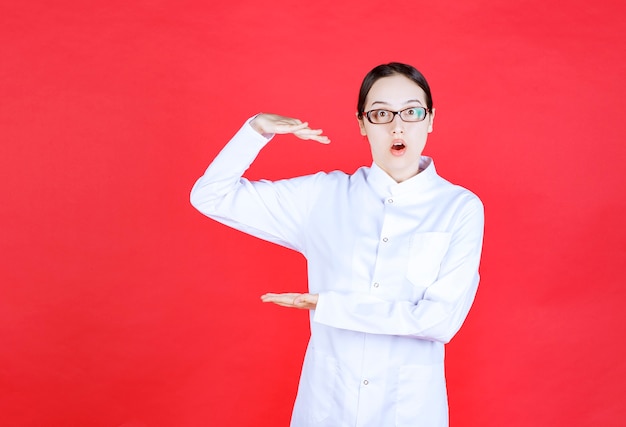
(122, 306)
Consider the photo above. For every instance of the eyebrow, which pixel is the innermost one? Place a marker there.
(407, 102)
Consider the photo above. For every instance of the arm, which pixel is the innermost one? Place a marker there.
(437, 316)
(271, 211)
(444, 306)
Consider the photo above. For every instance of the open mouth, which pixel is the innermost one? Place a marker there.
(398, 148)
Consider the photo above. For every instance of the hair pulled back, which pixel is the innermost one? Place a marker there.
(386, 70)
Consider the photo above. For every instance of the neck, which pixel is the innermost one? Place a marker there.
(401, 175)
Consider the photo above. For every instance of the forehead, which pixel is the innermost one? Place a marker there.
(395, 90)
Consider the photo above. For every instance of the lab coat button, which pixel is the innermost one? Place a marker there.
(385, 239)
(365, 382)
(389, 200)
(376, 285)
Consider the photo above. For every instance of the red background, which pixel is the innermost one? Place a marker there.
(122, 306)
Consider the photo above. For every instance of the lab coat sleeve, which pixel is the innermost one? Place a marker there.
(444, 306)
(273, 211)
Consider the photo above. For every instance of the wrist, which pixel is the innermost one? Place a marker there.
(256, 126)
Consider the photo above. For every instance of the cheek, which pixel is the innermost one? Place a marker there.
(376, 146)
(422, 132)
(374, 133)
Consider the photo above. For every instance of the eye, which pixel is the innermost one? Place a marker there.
(381, 114)
(416, 113)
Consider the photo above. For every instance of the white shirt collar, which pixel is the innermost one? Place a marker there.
(384, 185)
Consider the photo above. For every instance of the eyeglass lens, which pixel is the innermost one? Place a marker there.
(415, 114)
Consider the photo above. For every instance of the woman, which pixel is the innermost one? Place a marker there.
(392, 250)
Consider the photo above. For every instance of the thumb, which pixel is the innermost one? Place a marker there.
(300, 299)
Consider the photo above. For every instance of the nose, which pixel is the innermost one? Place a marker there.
(398, 124)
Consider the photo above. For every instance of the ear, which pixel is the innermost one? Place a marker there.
(431, 120)
(361, 125)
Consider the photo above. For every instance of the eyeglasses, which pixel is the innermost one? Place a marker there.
(413, 114)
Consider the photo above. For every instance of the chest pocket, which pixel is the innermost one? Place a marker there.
(426, 252)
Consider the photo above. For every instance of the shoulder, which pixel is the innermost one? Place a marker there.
(335, 177)
(311, 185)
(456, 194)
(461, 192)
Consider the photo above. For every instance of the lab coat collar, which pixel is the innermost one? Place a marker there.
(385, 185)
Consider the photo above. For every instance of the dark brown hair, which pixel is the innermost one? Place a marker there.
(386, 70)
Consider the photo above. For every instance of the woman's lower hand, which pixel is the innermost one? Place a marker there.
(292, 300)
(267, 124)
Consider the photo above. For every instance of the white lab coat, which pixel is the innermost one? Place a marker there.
(396, 269)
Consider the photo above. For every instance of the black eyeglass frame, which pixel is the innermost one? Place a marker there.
(393, 115)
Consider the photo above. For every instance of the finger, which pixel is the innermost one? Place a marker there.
(284, 304)
(322, 139)
(308, 131)
(285, 298)
(312, 134)
(290, 126)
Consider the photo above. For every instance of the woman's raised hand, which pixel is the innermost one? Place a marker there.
(273, 123)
